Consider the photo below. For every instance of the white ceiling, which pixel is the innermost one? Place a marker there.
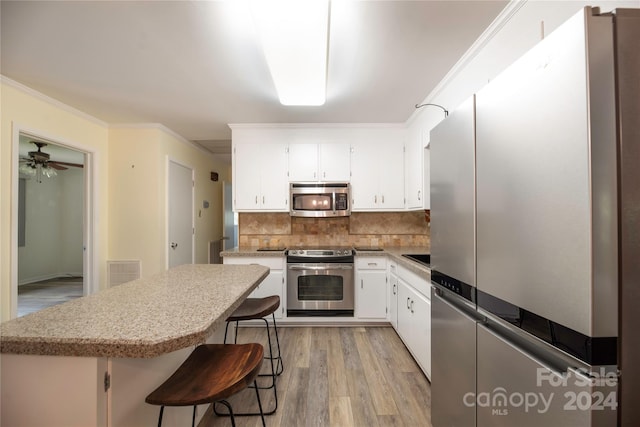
(194, 66)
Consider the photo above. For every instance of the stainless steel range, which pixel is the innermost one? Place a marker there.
(320, 282)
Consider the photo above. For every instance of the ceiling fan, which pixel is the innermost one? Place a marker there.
(39, 163)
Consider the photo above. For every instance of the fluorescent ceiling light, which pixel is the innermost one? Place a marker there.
(294, 36)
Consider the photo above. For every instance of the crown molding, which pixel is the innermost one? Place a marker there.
(487, 35)
(165, 129)
(51, 101)
(65, 107)
(400, 125)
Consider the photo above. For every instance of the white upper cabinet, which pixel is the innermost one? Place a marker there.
(417, 167)
(260, 176)
(326, 161)
(377, 175)
(303, 162)
(266, 158)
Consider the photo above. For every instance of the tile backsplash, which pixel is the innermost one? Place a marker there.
(382, 229)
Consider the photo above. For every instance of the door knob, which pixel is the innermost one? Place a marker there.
(174, 245)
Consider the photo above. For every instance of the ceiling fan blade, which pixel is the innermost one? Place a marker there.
(56, 166)
(75, 165)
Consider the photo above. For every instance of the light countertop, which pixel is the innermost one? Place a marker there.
(394, 252)
(144, 318)
(251, 251)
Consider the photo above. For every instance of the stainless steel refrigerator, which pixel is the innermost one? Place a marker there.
(535, 228)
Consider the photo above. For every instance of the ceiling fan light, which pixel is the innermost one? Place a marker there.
(294, 36)
(27, 169)
(49, 172)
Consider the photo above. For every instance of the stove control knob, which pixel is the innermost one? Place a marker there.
(292, 252)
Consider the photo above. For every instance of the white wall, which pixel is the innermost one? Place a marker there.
(522, 26)
(53, 224)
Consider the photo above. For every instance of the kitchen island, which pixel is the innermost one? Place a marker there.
(93, 360)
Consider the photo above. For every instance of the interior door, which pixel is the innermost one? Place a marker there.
(180, 200)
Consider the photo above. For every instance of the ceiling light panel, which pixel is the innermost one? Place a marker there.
(294, 36)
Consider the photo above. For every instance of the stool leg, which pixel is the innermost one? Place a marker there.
(273, 374)
(275, 370)
(226, 329)
(230, 414)
(193, 417)
(160, 417)
(280, 365)
(280, 362)
(255, 383)
(270, 357)
(235, 341)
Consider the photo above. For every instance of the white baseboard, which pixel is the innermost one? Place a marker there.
(26, 281)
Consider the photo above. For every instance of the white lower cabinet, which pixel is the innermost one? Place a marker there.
(273, 284)
(414, 320)
(393, 294)
(371, 288)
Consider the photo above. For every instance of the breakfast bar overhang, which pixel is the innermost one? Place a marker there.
(92, 361)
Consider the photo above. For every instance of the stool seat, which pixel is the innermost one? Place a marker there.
(211, 373)
(255, 308)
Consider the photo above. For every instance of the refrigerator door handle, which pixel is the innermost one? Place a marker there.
(439, 293)
(496, 328)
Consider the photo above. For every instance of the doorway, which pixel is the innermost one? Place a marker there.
(180, 207)
(52, 209)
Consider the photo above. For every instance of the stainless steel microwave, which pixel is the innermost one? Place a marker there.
(315, 199)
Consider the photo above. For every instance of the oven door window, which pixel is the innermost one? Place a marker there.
(320, 288)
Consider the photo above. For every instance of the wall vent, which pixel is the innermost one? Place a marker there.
(119, 272)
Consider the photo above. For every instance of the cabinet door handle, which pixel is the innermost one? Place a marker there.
(418, 194)
(408, 299)
(375, 199)
(361, 283)
(383, 198)
(412, 306)
(256, 200)
(394, 289)
(263, 200)
(372, 263)
(324, 174)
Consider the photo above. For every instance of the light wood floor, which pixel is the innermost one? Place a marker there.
(36, 296)
(338, 377)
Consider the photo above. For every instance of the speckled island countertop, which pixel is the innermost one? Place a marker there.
(141, 319)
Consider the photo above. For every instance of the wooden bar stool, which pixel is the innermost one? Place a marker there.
(212, 373)
(259, 309)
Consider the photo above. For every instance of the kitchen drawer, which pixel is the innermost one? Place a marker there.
(419, 283)
(371, 263)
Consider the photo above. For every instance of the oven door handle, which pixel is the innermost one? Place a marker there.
(323, 267)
